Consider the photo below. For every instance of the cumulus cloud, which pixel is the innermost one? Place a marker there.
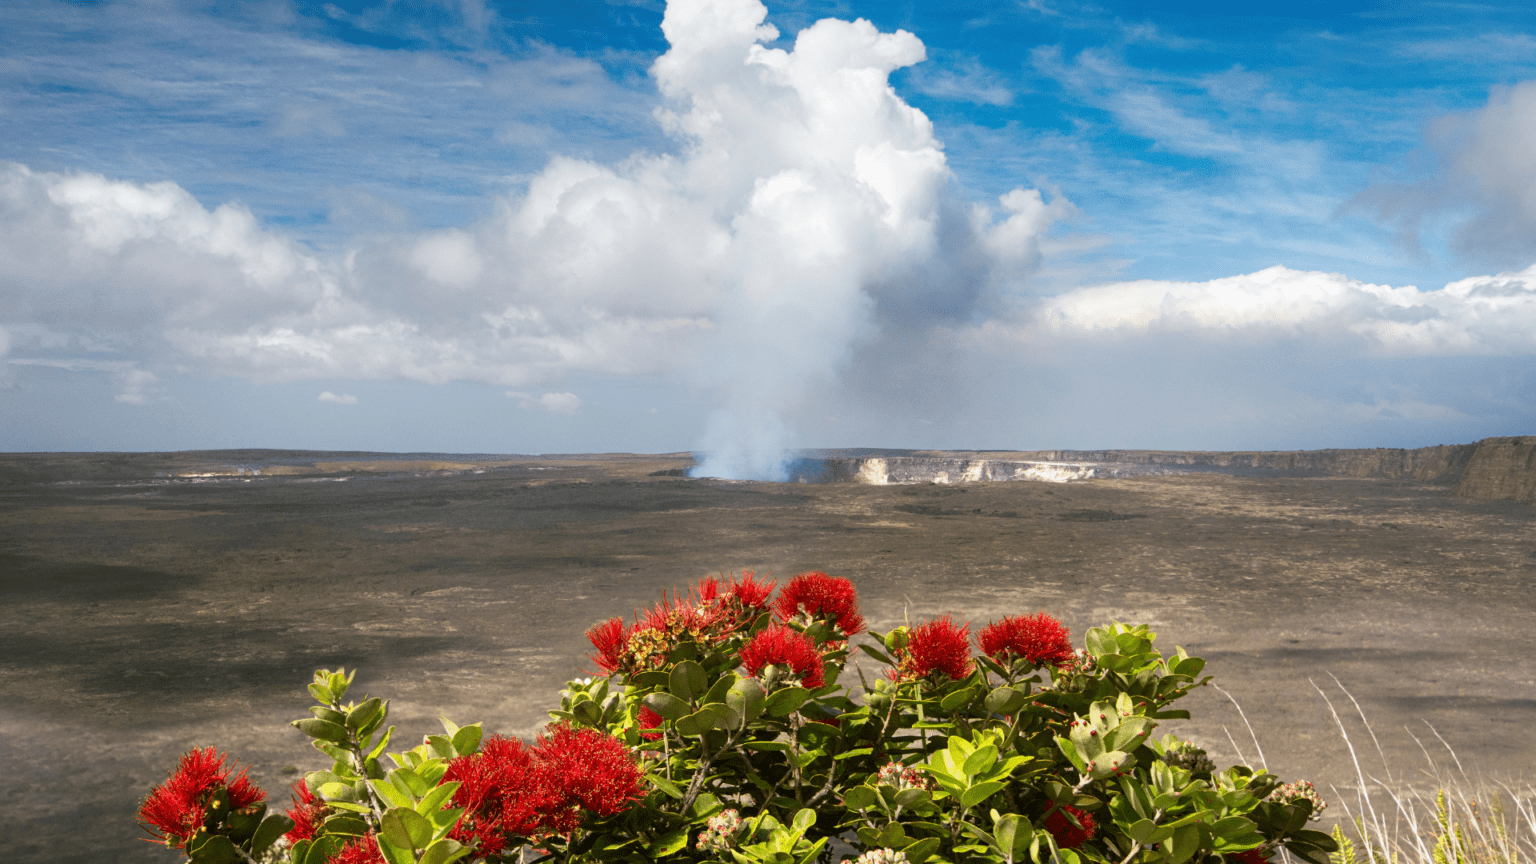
(343, 399)
(1484, 315)
(555, 403)
(808, 215)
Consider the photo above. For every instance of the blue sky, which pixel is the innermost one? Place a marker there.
(464, 225)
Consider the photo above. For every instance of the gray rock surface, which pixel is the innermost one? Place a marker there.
(151, 603)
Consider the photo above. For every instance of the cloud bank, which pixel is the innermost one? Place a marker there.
(803, 250)
(809, 212)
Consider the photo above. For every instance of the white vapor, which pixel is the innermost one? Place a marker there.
(808, 215)
(343, 399)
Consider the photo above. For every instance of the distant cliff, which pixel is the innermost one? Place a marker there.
(1501, 469)
(1489, 470)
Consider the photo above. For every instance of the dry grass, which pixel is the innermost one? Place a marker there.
(1448, 817)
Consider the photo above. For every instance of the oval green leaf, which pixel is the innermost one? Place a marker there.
(666, 705)
(787, 701)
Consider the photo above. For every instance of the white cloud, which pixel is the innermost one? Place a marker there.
(964, 80)
(810, 214)
(555, 403)
(1485, 315)
(343, 399)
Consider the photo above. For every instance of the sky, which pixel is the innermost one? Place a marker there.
(713, 225)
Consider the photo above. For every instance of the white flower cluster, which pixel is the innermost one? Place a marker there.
(882, 856)
(1189, 757)
(904, 777)
(719, 832)
(1301, 790)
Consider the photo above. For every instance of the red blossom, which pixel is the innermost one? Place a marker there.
(307, 813)
(819, 596)
(751, 593)
(1038, 638)
(177, 808)
(1248, 856)
(610, 638)
(1070, 826)
(935, 646)
(499, 795)
(645, 718)
(783, 646)
(584, 769)
(363, 850)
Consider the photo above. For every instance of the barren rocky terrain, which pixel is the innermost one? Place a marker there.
(142, 612)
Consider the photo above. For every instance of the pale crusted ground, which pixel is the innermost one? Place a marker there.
(139, 620)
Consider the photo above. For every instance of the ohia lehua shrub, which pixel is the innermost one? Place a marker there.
(725, 729)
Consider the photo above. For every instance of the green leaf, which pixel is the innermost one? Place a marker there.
(325, 713)
(705, 806)
(877, 654)
(912, 797)
(769, 746)
(697, 723)
(893, 836)
(667, 705)
(406, 828)
(324, 730)
(855, 752)
(859, 798)
(338, 791)
(668, 843)
(351, 806)
(922, 850)
(588, 712)
(1141, 830)
(655, 678)
(1182, 845)
(363, 714)
(444, 851)
(383, 742)
(979, 793)
(271, 828)
(957, 700)
(979, 761)
(804, 819)
(688, 680)
(434, 800)
(214, 850)
(665, 785)
(391, 794)
(321, 693)
(1004, 700)
(787, 701)
(747, 698)
(467, 739)
(1316, 838)
(410, 782)
(395, 853)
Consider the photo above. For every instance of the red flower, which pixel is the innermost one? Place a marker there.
(584, 769)
(782, 646)
(499, 793)
(610, 638)
(1248, 856)
(1070, 826)
(363, 850)
(819, 596)
(935, 646)
(750, 593)
(1038, 638)
(307, 813)
(645, 718)
(177, 808)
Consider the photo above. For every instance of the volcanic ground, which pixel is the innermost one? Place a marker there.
(143, 613)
